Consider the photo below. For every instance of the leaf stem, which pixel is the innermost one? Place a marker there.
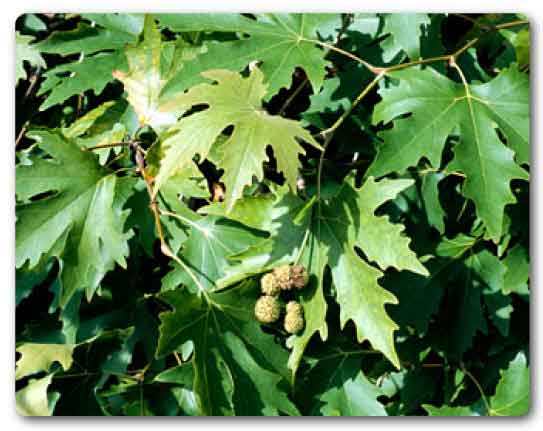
(369, 66)
(110, 145)
(479, 388)
(448, 57)
(293, 96)
(329, 133)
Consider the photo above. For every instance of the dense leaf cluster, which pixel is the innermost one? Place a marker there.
(166, 164)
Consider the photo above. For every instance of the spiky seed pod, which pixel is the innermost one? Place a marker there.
(267, 309)
(269, 285)
(299, 276)
(294, 319)
(282, 275)
(295, 307)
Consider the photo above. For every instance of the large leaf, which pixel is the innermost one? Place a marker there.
(439, 105)
(233, 101)
(281, 41)
(81, 209)
(237, 367)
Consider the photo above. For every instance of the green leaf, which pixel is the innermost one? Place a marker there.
(33, 399)
(341, 389)
(489, 271)
(282, 42)
(85, 39)
(449, 411)
(455, 247)
(463, 316)
(237, 367)
(101, 126)
(418, 297)
(405, 31)
(91, 73)
(26, 51)
(148, 71)
(211, 240)
(26, 279)
(367, 23)
(82, 210)
(430, 195)
(130, 24)
(512, 397)
(253, 211)
(99, 360)
(180, 375)
(438, 105)
(518, 271)
(40, 357)
(233, 101)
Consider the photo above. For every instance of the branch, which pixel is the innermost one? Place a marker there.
(153, 206)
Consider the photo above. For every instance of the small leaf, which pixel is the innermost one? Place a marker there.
(341, 389)
(33, 399)
(26, 51)
(40, 357)
(512, 397)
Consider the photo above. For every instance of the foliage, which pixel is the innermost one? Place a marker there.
(166, 164)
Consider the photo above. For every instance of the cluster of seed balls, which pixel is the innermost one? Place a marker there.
(269, 306)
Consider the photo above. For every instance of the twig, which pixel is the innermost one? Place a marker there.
(329, 133)
(293, 96)
(33, 80)
(153, 206)
(21, 134)
(358, 99)
(379, 70)
(177, 358)
(369, 66)
(479, 388)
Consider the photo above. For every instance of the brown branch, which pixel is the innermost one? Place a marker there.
(21, 134)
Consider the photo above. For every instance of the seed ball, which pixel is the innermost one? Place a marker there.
(299, 276)
(267, 309)
(282, 275)
(294, 319)
(269, 285)
(294, 307)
